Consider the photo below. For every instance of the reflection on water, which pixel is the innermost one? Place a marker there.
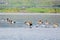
(20, 19)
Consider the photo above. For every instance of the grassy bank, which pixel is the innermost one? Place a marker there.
(31, 10)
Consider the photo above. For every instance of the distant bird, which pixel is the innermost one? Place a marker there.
(10, 21)
(29, 23)
(47, 22)
(40, 22)
(55, 25)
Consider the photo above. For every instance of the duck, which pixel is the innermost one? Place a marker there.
(29, 23)
(47, 22)
(40, 22)
(55, 25)
(10, 21)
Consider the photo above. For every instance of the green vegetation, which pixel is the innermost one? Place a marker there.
(32, 10)
(29, 6)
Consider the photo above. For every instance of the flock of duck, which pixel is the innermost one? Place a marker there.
(40, 23)
(8, 20)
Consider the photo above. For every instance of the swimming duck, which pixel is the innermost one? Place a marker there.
(29, 23)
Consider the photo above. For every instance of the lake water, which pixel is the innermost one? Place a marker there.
(20, 19)
(18, 32)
